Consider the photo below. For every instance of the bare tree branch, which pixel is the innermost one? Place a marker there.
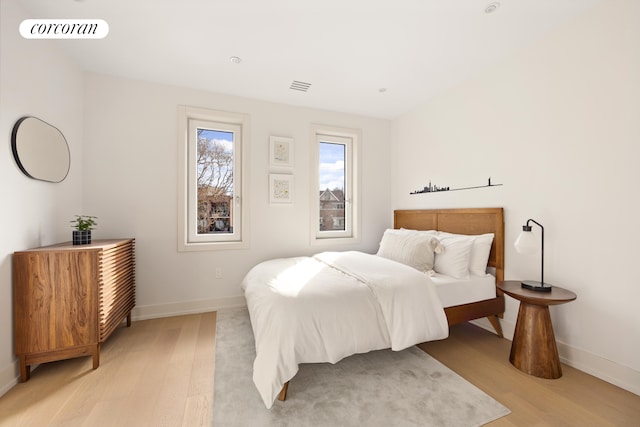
(214, 176)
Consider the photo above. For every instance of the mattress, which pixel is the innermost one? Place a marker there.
(464, 291)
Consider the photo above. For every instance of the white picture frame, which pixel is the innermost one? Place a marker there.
(280, 152)
(280, 189)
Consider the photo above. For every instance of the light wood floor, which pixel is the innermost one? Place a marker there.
(155, 373)
(575, 399)
(160, 373)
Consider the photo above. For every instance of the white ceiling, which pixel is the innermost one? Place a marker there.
(347, 49)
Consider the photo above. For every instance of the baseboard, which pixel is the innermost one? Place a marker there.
(9, 377)
(607, 370)
(186, 307)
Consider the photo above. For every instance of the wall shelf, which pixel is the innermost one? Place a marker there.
(435, 189)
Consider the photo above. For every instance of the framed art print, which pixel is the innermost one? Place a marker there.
(280, 188)
(280, 152)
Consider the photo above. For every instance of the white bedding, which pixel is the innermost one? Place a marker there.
(332, 305)
(452, 291)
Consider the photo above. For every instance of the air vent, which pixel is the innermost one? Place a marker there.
(301, 86)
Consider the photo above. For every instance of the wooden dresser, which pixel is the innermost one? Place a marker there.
(68, 299)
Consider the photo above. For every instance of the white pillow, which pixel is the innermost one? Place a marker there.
(409, 247)
(454, 260)
(480, 254)
(428, 232)
(480, 250)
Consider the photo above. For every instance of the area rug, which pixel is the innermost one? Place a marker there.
(380, 388)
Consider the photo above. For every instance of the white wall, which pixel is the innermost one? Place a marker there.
(557, 124)
(35, 79)
(131, 185)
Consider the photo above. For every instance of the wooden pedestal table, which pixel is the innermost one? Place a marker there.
(533, 349)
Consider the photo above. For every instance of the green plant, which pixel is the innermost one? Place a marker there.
(84, 222)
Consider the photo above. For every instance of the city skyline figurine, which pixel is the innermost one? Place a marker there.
(434, 188)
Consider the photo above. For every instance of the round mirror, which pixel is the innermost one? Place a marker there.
(40, 150)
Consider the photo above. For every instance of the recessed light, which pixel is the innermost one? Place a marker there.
(235, 59)
(492, 7)
(382, 90)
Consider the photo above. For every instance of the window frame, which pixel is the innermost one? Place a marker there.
(188, 239)
(351, 139)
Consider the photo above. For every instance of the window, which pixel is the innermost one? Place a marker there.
(335, 204)
(210, 179)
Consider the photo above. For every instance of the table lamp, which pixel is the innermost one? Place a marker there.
(527, 244)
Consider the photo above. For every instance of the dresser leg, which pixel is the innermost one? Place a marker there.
(25, 370)
(129, 319)
(96, 356)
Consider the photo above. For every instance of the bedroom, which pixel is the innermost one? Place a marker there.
(554, 122)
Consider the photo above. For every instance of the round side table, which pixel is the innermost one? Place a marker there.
(533, 349)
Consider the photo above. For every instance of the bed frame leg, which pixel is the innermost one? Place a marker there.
(495, 322)
(283, 393)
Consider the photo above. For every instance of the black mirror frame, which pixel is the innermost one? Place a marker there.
(16, 156)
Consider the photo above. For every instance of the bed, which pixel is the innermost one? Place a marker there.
(473, 221)
(334, 304)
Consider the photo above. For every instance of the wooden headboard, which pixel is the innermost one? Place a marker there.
(460, 221)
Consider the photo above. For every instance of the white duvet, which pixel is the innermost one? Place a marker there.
(332, 305)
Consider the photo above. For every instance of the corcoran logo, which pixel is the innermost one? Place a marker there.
(64, 29)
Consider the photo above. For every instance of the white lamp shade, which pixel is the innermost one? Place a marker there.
(527, 243)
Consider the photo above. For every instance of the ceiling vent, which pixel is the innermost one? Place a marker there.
(301, 86)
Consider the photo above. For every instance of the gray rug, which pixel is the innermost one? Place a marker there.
(380, 388)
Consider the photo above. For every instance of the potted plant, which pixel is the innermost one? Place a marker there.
(83, 225)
